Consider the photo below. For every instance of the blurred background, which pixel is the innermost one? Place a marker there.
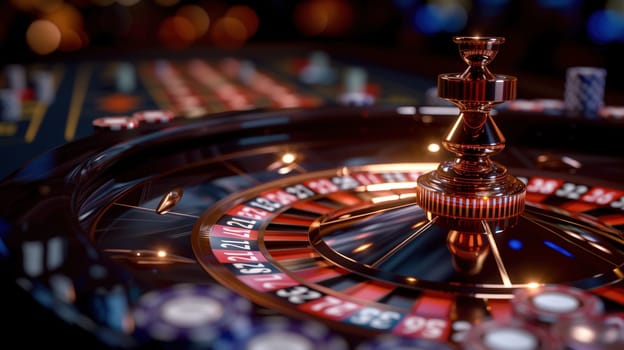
(544, 37)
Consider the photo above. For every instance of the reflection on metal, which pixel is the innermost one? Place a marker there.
(409, 247)
(289, 158)
(149, 209)
(362, 248)
(286, 163)
(468, 250)
(555, 162)
(406, 110)
(390, 186)
(437, 110)
(433, 147)
(286, 169)
(349, 219)
(148, 257)
(497, 257)
(169, 201)
(380, 199)
(393, 197)
(472, 187)
(402, 244)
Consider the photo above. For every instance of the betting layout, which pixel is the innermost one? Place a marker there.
(74, 94)
(45, 105)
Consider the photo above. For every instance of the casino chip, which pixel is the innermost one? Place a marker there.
(545, 106)
(153, 116)
(280, 333)
(611, 112)
(189, 315)
(584, 90)
(115, 123)
(554, 303)
(391, 342)
(590, 334)
(524, 105)
(508, 335)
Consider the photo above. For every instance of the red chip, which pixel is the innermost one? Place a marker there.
(551, 104)
(115, 123)
(606, 332)
(525, 105)
(614, 112)
(153, 116)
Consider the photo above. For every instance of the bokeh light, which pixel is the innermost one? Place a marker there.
(235, 27)
(197, 16)
(323, 17)
(247, 16)
(229, 32)
(492, 8)
(440, 16)
(70, 22)
(43, 36)
(606, 26)
(177, 32)
(129, 25)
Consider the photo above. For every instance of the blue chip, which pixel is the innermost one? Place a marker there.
(188, 313)
(276, 333)
(392, 342)
(584, 90)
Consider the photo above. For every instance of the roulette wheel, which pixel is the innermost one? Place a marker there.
(346, 224)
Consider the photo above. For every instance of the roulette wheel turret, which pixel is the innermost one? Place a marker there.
(343, 223)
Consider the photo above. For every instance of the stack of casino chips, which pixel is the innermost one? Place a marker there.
(211, 317)
(124, 122)
(551, 304)
(189, 316)
(584, 91)
(549, 317)
(513, 334)
(281, 333)
(591, 334)
(392, 342)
